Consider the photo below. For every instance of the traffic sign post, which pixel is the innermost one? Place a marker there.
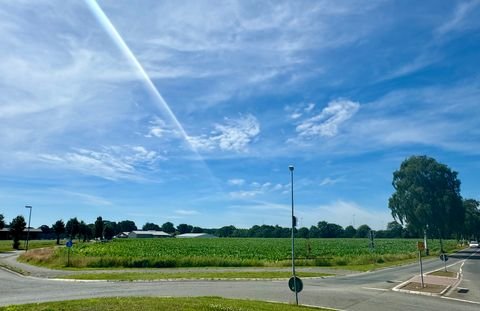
(444, 258)
(69, 245)
(295, 284)
(420, 247)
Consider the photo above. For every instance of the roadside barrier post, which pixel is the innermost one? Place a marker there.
(421, 247)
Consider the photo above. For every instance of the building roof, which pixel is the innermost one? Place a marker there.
(151, 232)
(196, 235)
(32, 230)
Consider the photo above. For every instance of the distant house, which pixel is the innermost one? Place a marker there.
(122, 235)
(148, 234)
(195, 235)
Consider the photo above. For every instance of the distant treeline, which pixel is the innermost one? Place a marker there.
(105, 229)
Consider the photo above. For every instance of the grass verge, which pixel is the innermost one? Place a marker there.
(146, 276)
(6, 245)
(151, 304)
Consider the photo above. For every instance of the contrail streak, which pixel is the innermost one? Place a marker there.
(112, 31)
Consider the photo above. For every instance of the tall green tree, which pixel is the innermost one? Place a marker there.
(349, 232)
(363, 231)
(109, 230)
(17, 226)
(59, 229)
(329, 230)
(99, 226)
(150, 226)
(472, 219)
(2, 222)
(194, 230)
(84, 231)
(184, 228)
(72, 228)
(126, 226)
(168, 227)
(427, 195)
(394, 230)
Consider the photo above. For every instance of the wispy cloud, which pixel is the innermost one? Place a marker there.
(87, 198)
(329, 181)
(111, 163)
(456, 22)
(236, 182)
(327, 123)
(342, 212)
(256, 189)
(232, 135)
(185, 212)
(235, 46)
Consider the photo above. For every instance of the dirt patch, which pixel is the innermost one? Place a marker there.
(449, 274)
(428, 288)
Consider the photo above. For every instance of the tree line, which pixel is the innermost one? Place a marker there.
(105, 229)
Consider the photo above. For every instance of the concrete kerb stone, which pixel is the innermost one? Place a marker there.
(428, 279)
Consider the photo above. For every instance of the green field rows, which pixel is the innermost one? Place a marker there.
(233, 252)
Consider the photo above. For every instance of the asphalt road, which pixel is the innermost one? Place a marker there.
(366, 291)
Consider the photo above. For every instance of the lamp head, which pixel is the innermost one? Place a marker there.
(28, 206)
(290, 167)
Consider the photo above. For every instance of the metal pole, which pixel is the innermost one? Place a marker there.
(421, 268)
(28, 229)
(291, 168)
(427, 252)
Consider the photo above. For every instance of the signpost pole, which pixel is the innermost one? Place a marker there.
(421, 268)
(420, 248)
(445, 262)
(69, 246)
(291, 168)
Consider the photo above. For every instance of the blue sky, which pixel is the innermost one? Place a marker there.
(191, 112)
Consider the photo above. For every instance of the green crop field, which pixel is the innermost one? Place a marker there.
(231, 252)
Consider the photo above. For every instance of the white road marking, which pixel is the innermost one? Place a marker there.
(374, 288)
(462, 300)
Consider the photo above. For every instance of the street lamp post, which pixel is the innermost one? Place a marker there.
(291, 168)
(28, 228)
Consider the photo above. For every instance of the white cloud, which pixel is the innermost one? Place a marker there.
(326, 123)
(186, 212)
(329, 181)
(233, 135)
(458, 18)
(244, 194)
(236, 182)
(234, 45)
(87, 198)
(343, 213)
(111, 163)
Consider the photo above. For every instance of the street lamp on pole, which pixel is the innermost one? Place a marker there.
(294, 221)
(28, 228)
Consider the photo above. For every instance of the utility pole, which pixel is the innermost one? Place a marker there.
(294, 221)
(28, 229)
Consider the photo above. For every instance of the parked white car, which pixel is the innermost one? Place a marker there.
(473, 244)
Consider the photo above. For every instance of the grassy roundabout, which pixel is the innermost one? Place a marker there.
(154, 304)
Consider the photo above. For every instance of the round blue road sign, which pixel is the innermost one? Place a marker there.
(69, 243)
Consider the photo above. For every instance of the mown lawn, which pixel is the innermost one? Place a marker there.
(6, 245)
(155, 304)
